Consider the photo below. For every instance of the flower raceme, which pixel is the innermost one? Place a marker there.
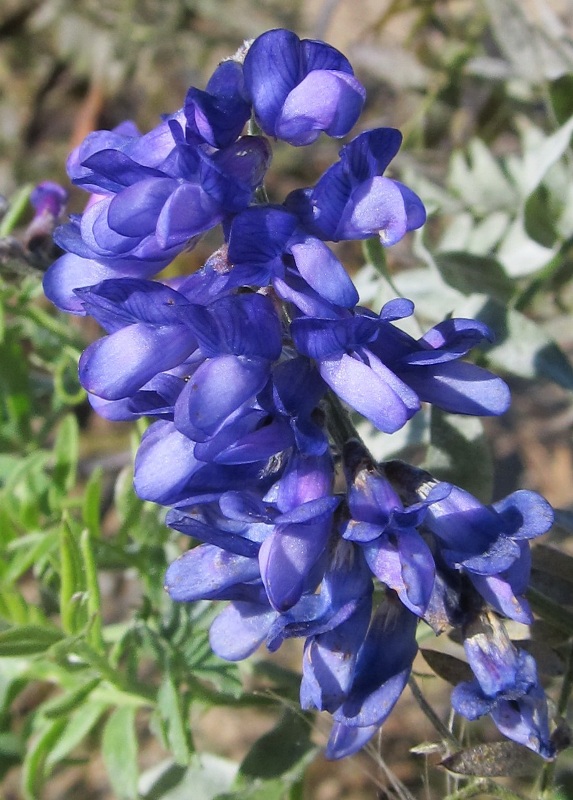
(249, 367)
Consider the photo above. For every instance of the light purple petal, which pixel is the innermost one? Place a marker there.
(118, 365)
(239, 630)
(369, 393)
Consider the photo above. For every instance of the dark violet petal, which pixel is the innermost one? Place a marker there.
(526, 721)
(114, 410)
(236, 171)
(308, 512)
(248, 325)
(207, 572)
(499, 557)
(345, 740)
(324, 100)
(323, 272)
(114, 170)
(272, 69)
(499, 594)
(209, 534)
(405, 564)
(369, 153)
(525, 514)
(286, 558)
(219, 113)
(329, 661)
(322, 338)
(369, 393)
(399, 308)
(215, 391)
(361, 532)
(383, 667)
(123, 301)
(320, 55)
(259, 445)
(468, 700)
(449, 340)
(120, 364)
(259, 235)
(239, 630)
(305, 478)
(415, 210)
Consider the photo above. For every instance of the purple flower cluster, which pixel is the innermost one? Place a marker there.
(250, 367)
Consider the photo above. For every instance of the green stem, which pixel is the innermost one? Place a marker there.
(547, 776)
(15, 210)
(442, 729)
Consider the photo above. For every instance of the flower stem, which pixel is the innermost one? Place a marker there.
(444, 732)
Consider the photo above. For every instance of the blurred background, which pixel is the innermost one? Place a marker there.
(482, 91)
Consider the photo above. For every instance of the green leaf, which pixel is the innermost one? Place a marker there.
(172, 707)
(77, 727)
(561, 94)
(93, 604)
(69, 701)
(459, 453)
(205, 778)
(91, 506)
(29, 551)
(66, 450)
(26, 640)
(553, 613)
(282, 750)
(541, 214)
(72, 582)
(34, 771)
(119, 750)
(470, 273)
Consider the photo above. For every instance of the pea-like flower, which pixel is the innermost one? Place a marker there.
(301, 87)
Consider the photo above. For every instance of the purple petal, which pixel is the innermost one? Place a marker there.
(239, 630)
(164, 463)
(188, 212)
(345, 740)
(323, 272)
(460, 388)
(405, 563)
(206, 572)
(525, 514)
(286, 559)
(134, 211)
(216, 390)
(324, 100)
(378, 398)
(118, 365)
(272, 70)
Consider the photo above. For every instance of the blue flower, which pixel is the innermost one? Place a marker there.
(505, 686)
(352, 200)
(267, 245)
(382, 670)
(490, 543)
(386, 530)
(300, 88)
